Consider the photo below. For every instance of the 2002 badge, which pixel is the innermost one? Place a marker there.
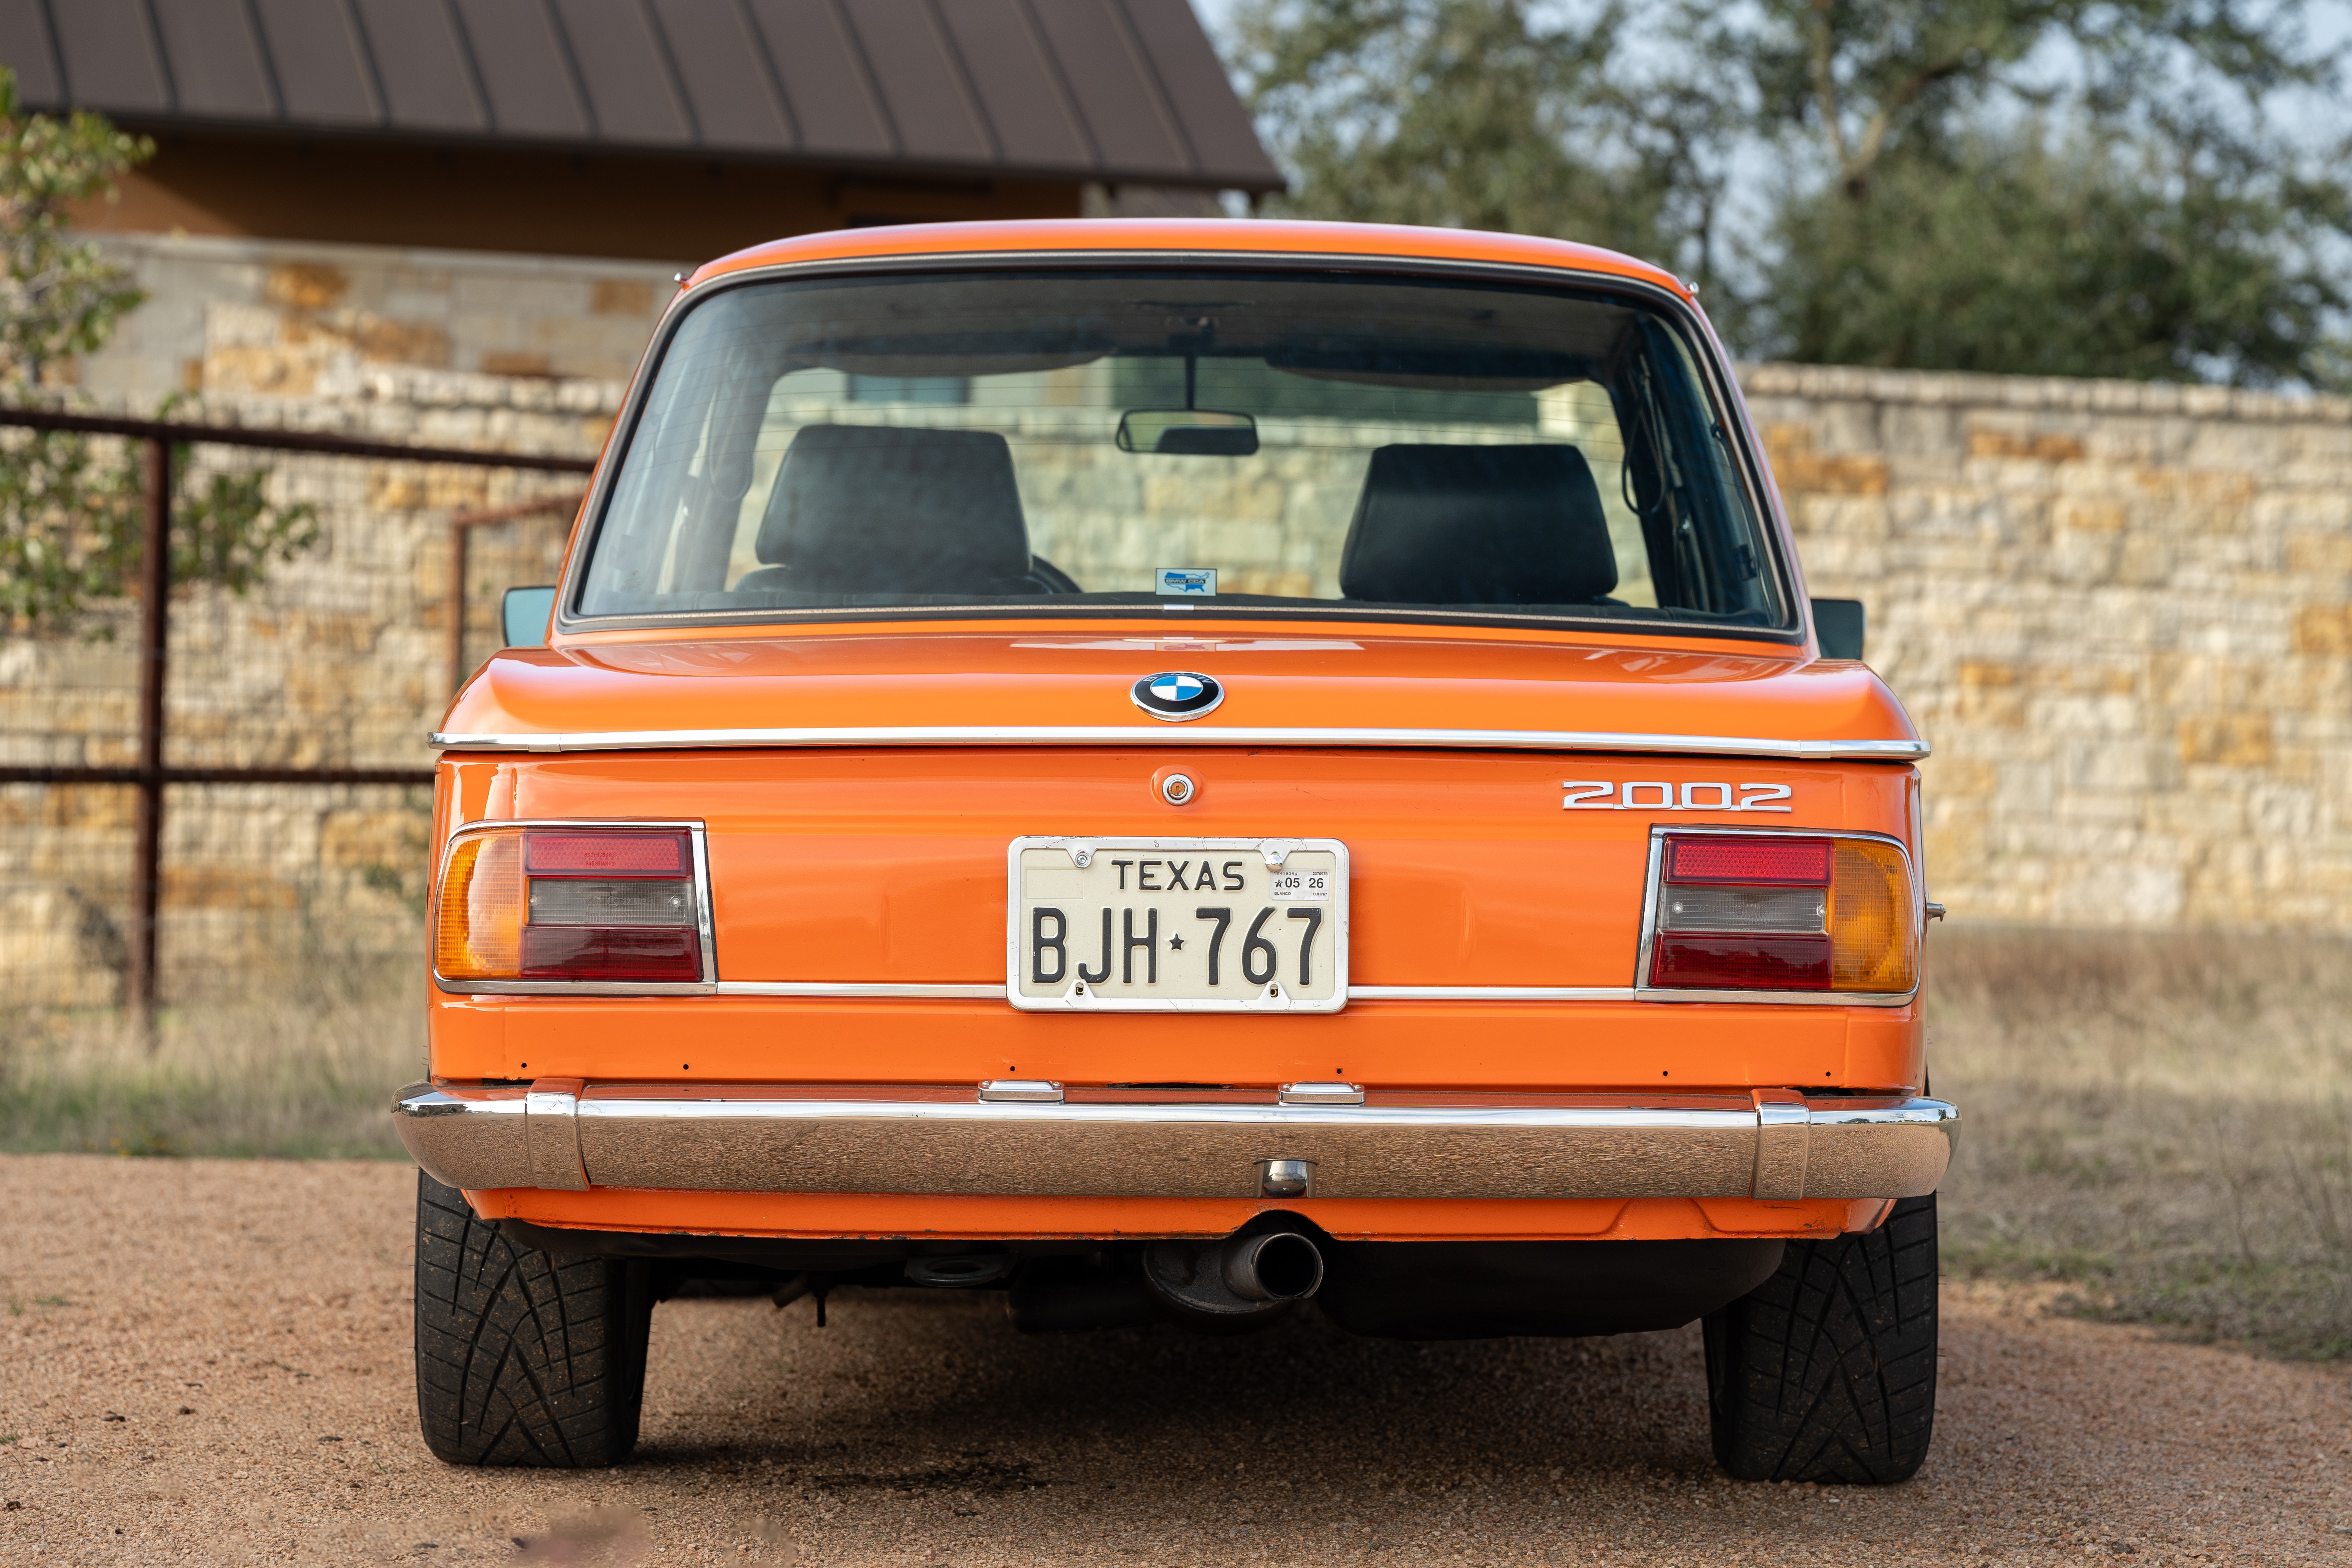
(1698, 795)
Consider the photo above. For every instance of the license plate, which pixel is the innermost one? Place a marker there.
(1178, 925)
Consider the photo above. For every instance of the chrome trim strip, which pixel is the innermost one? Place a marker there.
(702, 914)
(1137, 735)
(1601, 1146)
(1490, 994)
(871, 988)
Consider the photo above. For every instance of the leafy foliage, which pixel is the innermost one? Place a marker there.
(70, 505)
(68, 526)
(1461, 113)
(58, 296)
(2088, 256)
(2054, 186)
(225, 530)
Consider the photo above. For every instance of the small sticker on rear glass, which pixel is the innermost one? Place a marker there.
(1187, 582)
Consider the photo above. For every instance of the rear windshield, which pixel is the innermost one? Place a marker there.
(1289, 443)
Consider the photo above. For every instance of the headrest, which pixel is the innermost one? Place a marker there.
(866, 509)
(1478, 525)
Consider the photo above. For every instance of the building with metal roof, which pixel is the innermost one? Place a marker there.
(656, 129)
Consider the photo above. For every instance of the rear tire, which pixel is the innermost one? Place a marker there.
(523, 1357)
(1827, 1370)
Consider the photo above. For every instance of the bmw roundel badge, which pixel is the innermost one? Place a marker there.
(1176, 695)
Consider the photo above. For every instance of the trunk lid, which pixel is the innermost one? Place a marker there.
(666, 690)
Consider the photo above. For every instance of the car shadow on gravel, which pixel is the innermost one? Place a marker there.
(902, 1378)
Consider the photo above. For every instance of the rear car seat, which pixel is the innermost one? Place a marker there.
(1478, 525)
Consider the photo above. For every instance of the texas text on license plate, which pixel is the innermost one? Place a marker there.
(1182, 925)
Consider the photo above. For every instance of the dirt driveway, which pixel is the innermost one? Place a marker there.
(209, 1362)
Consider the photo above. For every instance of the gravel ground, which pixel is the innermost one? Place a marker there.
(208, 1360)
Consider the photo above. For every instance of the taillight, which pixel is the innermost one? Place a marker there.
(615, 905)
(1783, 912)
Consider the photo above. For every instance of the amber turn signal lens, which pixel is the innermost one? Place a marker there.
(1874, 935)
(479, 932)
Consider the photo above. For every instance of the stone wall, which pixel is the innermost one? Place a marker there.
(2123, 614)
(340, 658)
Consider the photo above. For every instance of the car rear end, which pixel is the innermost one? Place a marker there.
(1175, 769)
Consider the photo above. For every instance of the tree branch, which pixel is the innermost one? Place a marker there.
(1825, 79)
(1856, 170)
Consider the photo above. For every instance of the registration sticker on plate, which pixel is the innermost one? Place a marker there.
(1178, 925)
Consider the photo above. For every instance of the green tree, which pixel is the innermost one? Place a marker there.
(2060, 254)
(1459, 113)
(2061, 186)
(1966, 203)
(69, 504)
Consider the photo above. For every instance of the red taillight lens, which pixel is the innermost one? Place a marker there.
(609, 952)
(1783, 912)
(616, 905)
(1743, 962)
(1803, 862)
(570, 852)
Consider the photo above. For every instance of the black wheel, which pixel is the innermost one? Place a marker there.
(1826, 1372)
(523, 1357)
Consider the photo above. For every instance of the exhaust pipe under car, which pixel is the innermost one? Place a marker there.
(1236, 1282)
(1281, 1266)
(1229, 1286)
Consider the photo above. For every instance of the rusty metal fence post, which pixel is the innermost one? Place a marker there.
(154, 638)
(152, 774)
(461, 530)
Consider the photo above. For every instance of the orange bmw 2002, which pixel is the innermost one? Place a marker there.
(1183, 771)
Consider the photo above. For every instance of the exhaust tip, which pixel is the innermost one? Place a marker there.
(1282, 1267)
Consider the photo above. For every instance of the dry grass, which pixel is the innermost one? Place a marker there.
(303, 1068)
(2161, 1121)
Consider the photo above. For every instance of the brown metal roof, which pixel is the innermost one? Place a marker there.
(1104, 89)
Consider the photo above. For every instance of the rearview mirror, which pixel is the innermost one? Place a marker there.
(523, 615)
(1188, 432)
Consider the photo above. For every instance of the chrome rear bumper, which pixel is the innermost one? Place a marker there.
(567, 1135)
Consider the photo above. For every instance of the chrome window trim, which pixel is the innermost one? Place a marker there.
(1879, 750)
(1645, 992)
(697, 840)
(1708, 355)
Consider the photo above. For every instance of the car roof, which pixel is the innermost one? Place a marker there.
(1246, 235)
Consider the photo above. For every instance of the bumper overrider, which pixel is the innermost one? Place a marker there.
(567, 1135)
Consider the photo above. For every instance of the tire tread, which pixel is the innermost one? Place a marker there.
(1827, 1370)
(523, 1358)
